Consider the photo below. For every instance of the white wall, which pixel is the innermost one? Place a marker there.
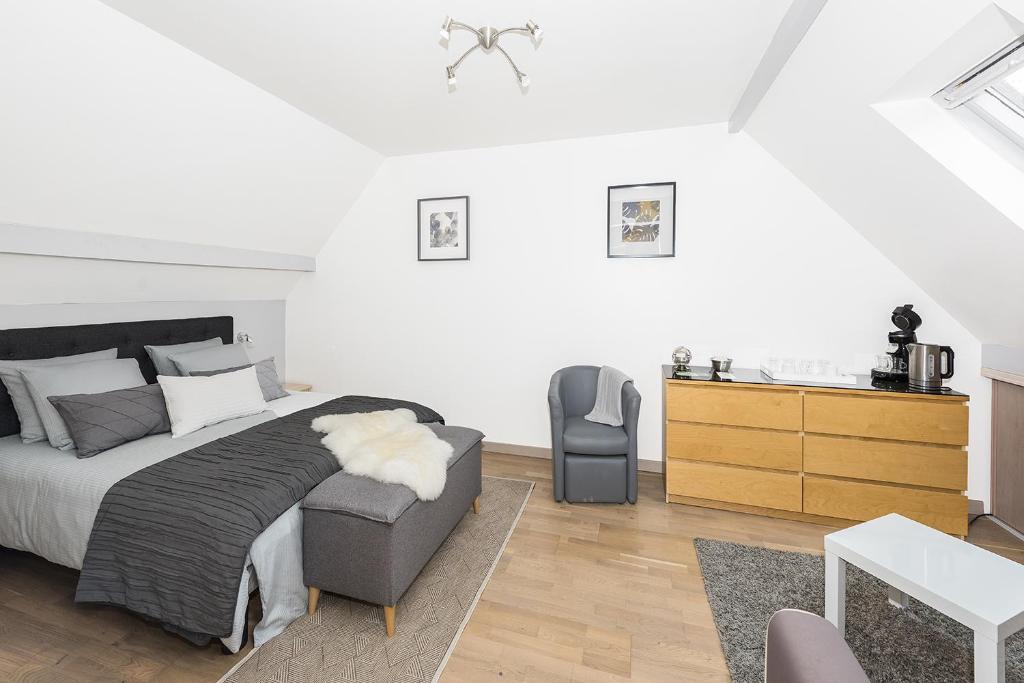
(51, 280)
(819, 121)
(762, 265)
(109, 126)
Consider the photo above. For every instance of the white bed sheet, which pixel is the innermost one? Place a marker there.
(49, 499)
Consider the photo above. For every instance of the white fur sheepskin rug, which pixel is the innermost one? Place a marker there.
(389, 446)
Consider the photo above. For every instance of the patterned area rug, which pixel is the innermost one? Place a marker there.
(345, 639)
(746, 585)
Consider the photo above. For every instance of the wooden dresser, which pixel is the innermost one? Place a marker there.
(832, 454)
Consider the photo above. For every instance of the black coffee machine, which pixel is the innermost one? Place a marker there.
(904, 318)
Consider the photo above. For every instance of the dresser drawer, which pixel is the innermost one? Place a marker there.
(899, 462)
(733, 445)
(926, 421)
(778, 490)
(735, 406)
(861, 501)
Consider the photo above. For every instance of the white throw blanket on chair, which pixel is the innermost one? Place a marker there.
(389, 446)
(608, 403)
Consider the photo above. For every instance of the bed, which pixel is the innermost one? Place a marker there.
(49, 498)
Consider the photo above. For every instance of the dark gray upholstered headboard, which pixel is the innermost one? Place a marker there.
(130, 338)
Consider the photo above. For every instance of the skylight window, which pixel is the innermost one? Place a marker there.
(994, 90)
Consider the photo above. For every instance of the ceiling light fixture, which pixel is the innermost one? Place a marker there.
(487, 38)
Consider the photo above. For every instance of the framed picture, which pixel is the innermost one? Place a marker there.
(443, 232)
(642, 220)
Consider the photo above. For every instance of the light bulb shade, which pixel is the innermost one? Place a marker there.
(451, 75)
(446, 27)
(535, 31)
(445, 35)
(524, 80)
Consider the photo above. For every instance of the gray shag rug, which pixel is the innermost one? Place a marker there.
(345, 639)
(746, 585)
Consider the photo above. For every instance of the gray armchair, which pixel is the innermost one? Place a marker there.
(593, 462)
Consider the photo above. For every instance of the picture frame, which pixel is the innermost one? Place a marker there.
(442, 228)
(642, 220)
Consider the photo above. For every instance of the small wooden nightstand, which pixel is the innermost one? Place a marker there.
(294, 386)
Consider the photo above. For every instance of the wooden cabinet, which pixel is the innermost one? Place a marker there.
(860, 501)
(752, 408)
(826, 454)
(766, 448)
(902, 419)
(743, 485)
(1008, 447)
(896, 462)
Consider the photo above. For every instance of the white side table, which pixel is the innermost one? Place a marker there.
(981, 590)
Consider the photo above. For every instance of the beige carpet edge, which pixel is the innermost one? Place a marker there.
(472, 607)
(487, 577)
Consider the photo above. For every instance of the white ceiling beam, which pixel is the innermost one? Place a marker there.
(38, 241)
(792, 29)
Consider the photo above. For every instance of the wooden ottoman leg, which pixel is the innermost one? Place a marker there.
(476, 505)
(389, 619)
(314, 597)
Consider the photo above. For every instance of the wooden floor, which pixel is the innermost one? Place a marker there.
(582, 593)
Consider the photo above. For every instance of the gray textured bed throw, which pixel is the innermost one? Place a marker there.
(170, 541)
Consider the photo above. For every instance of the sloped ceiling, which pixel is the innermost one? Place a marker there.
(819, 121)
(110, 127)
(256, 123)
(375, 70)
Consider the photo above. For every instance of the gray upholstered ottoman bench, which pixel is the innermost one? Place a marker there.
(367, 540)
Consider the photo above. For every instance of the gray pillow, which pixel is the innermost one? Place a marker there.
(32, 429)
(160, 355)
(266, 373)
(91, 377)
(99, 422)
(213, 358)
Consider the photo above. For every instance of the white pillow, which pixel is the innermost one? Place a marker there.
(196, 402)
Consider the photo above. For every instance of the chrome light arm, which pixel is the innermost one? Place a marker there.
(487, 38)
(464, 55)
(519, 74)
(514, 29)
(465, 27)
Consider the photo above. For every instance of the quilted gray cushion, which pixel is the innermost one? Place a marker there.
(266, 373)
(99, 422)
